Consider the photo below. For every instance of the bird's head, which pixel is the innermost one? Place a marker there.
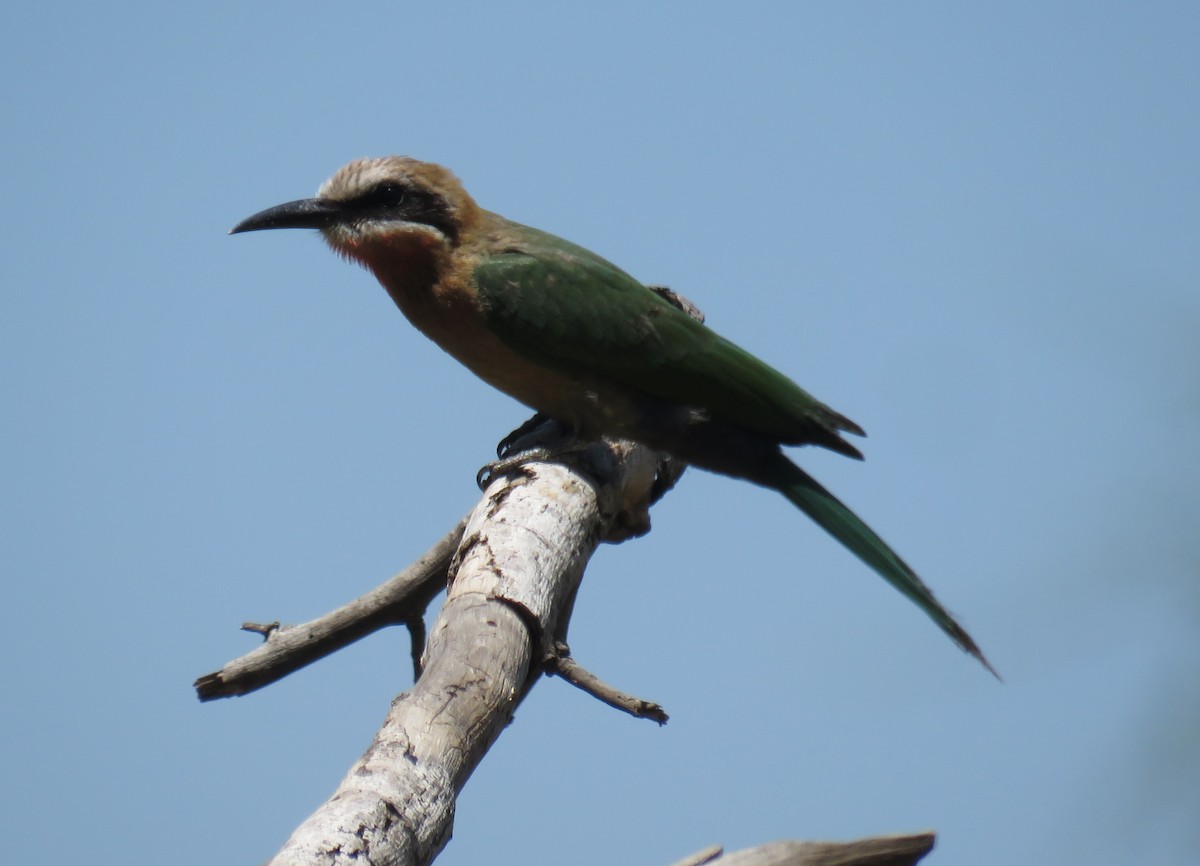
(377, 207)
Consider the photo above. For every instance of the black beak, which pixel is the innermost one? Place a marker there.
(306, 213)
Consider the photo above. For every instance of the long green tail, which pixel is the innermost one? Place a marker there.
(843, 524)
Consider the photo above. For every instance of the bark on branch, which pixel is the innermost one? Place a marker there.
(514, 578)
(515, 569)
(877, 851)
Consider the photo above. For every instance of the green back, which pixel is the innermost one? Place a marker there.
(562, 306)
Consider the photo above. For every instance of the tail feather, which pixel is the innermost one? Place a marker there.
(805, 493)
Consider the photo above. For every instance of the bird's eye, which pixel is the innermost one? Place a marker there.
(388, 194)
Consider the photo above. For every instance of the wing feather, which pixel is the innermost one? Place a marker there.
(560, 305)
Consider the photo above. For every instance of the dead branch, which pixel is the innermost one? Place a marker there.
(400, 600)
(514, 575)
(876, 851)
(565, 666)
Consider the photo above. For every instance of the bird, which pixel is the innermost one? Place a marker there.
(579, 340)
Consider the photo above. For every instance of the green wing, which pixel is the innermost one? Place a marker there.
(562, 306)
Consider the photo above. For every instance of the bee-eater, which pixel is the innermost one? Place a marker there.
(578, 339)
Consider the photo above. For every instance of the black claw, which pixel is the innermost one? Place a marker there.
(539, 438)
(488, 473)
(506, 444)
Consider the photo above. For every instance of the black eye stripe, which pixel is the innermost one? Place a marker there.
(395, 200)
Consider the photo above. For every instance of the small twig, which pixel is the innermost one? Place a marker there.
(401, 599)
(265, 629)
(707, 855)
(416, 634)
(562, 664)
(875, 851)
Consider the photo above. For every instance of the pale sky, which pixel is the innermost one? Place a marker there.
(970, 227)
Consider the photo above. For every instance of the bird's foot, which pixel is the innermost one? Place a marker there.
(539, 438)
(488, 472)
(541, 428)
(516, 459)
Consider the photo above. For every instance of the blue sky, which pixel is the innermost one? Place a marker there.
(970, 227)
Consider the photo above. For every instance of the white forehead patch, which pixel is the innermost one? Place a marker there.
(362, 174)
